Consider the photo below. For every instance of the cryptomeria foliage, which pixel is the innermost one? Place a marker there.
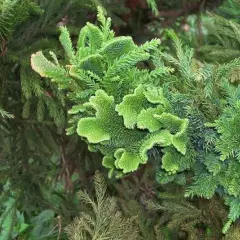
(126, 102)
(116, 98)
(126, 111)
(35, 152)
(104, 220)
(224, 39)
(209, 96)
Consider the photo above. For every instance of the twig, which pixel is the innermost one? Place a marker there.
(65, 168)
(59, 227)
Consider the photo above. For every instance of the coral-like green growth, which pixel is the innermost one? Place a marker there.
(114, 128)
(96, 128)
(131, 106)
(122, 110)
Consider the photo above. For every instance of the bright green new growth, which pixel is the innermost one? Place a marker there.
(125, 145)
(122, 110)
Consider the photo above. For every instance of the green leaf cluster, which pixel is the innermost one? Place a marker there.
(103, 220)
(128, 110)
(127, 113)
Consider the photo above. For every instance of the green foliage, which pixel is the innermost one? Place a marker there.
(103, 220)
(6, 8)
(7, 219)
(152, 4)
(125, 102)
(182, 215)
(43, 224)
(36, 155)
(127, 148)
(207, 94)
(37, 108)
(12, 14)
(126, 125)
(126, 111)
(5, 114)
(230, 9)
(227, 127)
(226, 33)
(232, 234)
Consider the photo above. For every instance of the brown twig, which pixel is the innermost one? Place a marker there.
(66, 173)
(59, 227)
(4, 49)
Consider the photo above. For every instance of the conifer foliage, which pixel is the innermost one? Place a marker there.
(104, 221)
(161, 116)
(124, 112)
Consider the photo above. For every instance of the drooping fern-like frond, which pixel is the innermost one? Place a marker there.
(5, 114)
(234, 212)
(153, 5)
